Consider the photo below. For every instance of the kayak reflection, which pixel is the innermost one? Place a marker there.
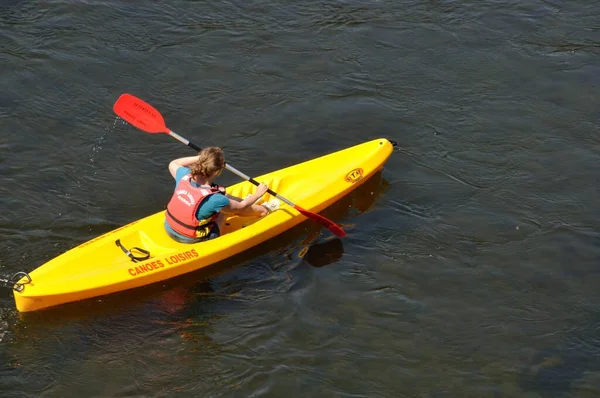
(322, 254)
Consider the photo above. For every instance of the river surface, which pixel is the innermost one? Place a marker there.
(472, 262)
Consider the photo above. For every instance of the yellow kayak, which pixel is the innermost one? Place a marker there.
(107, 264)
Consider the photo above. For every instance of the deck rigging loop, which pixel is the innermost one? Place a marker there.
(133, 257)
(11, 282)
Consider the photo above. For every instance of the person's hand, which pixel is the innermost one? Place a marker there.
(255, 197)
(261, 189)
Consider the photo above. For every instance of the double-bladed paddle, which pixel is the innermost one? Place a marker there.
(145, 117)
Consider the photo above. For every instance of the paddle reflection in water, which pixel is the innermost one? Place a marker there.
(322, 254)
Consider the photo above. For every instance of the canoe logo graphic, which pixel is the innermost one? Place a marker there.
(354, 176)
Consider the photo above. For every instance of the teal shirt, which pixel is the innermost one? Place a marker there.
(209, 206)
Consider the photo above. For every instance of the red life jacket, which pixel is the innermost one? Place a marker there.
(183, 206)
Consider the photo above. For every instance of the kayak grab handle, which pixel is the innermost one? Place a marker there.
(12, 281)
(133, 257)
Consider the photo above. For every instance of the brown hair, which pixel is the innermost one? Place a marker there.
(210, 161)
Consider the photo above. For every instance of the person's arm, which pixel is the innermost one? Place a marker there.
(233, 197)
(181, 162)
(253, 210)
(247, 205)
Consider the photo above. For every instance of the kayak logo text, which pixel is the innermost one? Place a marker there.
(158, 264)
(354, 176)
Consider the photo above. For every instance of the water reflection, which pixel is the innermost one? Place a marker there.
(322, 254)
(555, 371)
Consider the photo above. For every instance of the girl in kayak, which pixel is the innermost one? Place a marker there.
(197, 209)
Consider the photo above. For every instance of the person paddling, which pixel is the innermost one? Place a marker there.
(197, 209)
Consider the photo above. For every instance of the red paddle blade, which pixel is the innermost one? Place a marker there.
(333, 227)
(140, 114)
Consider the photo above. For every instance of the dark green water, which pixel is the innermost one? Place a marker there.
(472, 263)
